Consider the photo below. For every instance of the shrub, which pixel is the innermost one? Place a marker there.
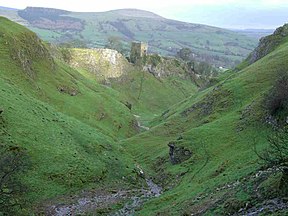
(277, 100)
(276, 153)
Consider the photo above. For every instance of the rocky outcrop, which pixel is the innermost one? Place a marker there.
(68, 90)
(26, 49)
(162, 67)
(178, 154)
(268, 44)
(103, 63)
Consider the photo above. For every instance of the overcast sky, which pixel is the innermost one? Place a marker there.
(223, 13)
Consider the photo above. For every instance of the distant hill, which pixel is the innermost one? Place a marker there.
(215, 45)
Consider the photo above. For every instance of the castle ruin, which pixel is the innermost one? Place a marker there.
(138, 50)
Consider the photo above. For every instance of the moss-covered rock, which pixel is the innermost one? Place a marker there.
(162, 67)
(269, 43)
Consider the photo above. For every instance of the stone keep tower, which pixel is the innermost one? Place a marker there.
(138, 50)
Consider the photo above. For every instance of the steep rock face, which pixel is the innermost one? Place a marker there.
(103, 63)
(268, 44)
(165, 67)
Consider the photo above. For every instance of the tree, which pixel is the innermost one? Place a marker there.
(115, 43)
(276, 154)
(184, 54)
(277, 100)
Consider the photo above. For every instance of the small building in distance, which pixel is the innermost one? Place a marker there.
(138, 50)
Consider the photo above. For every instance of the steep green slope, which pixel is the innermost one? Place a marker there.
(220, 126)
(27, 63)
(214, 45)
(64, 154)
(65, 124)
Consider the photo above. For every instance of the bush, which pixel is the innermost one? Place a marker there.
(277, 100)
(276, 154)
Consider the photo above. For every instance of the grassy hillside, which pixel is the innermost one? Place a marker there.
(220, 126)
(63, 126)
(218, 46)
(62, 131)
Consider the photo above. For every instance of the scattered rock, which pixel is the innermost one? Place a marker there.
(217, 98)
(266, 208)
(68, 90)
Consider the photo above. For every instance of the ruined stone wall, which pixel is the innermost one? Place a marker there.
(138, 50)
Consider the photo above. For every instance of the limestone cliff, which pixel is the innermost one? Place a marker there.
(103, 63)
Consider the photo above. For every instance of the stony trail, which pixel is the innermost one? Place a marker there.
(99, 200)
